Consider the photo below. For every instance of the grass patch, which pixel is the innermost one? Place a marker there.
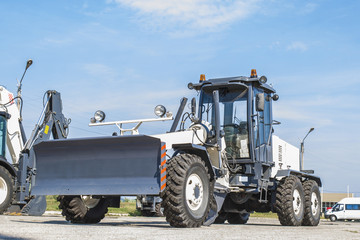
(52, 203)
(264, 215)
(126, 208)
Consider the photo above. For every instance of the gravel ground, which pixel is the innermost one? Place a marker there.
(123, 227)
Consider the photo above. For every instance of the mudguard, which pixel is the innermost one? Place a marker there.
(117, 165)
(8, 166)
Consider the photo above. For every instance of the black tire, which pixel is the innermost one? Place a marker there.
(290, 199)
(333, 218)
(187, 172)
(159, 210)
(75, 210)
(221, 218)
(238, 218)
(7, 193)
(312, 205)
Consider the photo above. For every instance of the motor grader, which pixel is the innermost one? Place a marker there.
(226, 164)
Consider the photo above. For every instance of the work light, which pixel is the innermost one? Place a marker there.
(160, 110)
(99, 116)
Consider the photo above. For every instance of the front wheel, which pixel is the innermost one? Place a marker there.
(290, 201)
(333, 218)
(186, 199)
(83, 209)
(312, 203)
(6, 189)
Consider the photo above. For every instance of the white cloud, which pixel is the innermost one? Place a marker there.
(309, 8)
(194, 14)
(297, 46)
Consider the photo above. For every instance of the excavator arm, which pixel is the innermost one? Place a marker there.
(51, 122)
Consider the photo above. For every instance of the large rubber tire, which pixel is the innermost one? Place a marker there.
(290, 201)
(7, 193)
(75, 210)
(238, 218)
(159, 210)
(186, 199)
(312, 209)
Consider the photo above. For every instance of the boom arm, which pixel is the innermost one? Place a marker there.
(51, 121)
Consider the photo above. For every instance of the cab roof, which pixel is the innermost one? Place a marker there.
(231, 81)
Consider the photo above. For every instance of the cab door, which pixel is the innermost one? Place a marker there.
(262, 119)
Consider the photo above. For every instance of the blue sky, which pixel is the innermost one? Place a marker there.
(126, 56)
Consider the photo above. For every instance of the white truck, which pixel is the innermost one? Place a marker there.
(345, 209)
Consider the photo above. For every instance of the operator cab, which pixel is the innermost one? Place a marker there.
(245, 115)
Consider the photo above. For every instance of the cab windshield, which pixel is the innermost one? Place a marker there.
(233, 120)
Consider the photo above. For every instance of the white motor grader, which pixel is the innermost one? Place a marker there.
(222, 167)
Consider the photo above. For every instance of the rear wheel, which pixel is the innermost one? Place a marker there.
(312, 203)
(187, 195)
(6, 189)
(238, 218)
(83, 209)
(290, 201)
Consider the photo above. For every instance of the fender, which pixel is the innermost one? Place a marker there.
(8, 166)
(288, 172)
(197, 150)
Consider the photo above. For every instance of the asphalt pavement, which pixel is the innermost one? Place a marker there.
(125, 227)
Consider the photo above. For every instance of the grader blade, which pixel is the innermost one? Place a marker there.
(121, 165)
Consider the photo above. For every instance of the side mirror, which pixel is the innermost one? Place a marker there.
(260, 102)
(193, 106)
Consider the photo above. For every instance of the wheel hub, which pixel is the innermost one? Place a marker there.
(194, 192)
(3, 190)
(297, 202)
(89, 201)
(314, 203)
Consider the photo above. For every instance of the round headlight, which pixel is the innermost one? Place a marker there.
(263, 79)
(99, 116)
(160, 110)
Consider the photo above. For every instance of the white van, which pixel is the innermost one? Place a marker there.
(346, 209)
